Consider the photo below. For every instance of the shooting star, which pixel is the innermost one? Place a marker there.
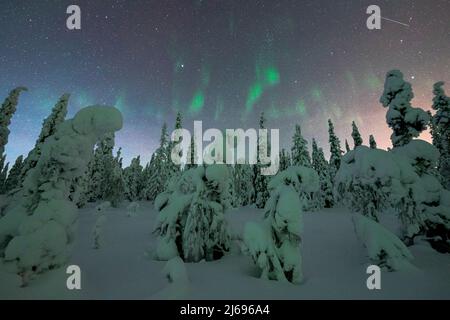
(395, 21)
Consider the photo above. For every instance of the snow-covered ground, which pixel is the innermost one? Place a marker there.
(334, 265)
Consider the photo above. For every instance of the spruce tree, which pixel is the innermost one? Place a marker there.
(347, 147)
(243, 184)
(3, 174)
(191, 155)
(7, 111)
(405, 121)
(115, 187)
(261, 191)
(99, 168)
(323, 197)
(335, 150)
(372, 142)
(357, 140)
(285, 160)
(159, 174)
(146, 179)
(49, 127)
(14, 174)
(299, 150)
(441, 130)
(133, 179)
(191, 220)
(172, 168)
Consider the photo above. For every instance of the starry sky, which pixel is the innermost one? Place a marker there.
(222, 62)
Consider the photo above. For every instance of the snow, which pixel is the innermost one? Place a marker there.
(132, 208)
(334, 265)
(103, 206)
(418, 149)
(383, 247)
(36, 231)
(175, 270)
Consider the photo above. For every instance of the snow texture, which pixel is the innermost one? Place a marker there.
(383, 247)
(334, 265)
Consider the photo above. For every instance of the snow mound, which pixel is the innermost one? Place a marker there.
(383, 247)
(175, 271)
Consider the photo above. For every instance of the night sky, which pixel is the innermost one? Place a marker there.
(222, 62)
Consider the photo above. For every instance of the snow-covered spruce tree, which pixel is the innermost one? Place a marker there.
(243, 180)
(12, 181)
(191, 220)
(357, 140)
(49, 127)
(234, 200)
(372, 142)
(160, 175)
(115, 186)
(37, 229)
(7, 111)
(405, 121)
(384, 248)
(362, 183)
(133, 179)
(285, 160)
(172, 168)
(275, 244)
(260, 182)
(347, 147)
(3, 174)
(427, 208)
(441, 131)
(192, 156)
(99, 168)
(335, 150)
(324, 196)
(372, 180)
(299, 150)
(145, 193)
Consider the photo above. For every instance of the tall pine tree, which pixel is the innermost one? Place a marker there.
(7, 111)
(192, 158)
(335, 150)
(12, 181)
(99, 168)
(172, 168)
(323, 197)
(299, 151)
(160, 173)
(49, 127)
(133, 179)
(347, 147)
(261, 190)
(285, 160)
(357, 140)
(372, 142)
(441, 130)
